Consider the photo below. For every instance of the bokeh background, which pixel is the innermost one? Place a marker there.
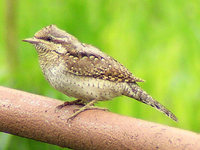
(158, 41)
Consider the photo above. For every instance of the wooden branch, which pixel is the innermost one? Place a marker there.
(33, 116)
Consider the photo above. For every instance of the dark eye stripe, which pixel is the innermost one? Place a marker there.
(52, 39)
(57, 41)
(47, 38)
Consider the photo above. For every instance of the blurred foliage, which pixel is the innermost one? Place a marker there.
(158, 41)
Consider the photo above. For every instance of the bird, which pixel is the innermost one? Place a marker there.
(85, 72)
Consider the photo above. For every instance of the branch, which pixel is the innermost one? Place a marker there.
(33, 116)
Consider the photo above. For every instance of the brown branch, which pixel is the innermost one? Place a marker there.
(34, 117)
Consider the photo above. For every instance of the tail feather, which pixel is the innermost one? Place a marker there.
(139, 94)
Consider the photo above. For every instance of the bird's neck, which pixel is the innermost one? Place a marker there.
(49, 58)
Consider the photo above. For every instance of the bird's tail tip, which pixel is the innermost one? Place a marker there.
(140, 95)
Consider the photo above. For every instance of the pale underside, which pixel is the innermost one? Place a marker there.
(86, 88)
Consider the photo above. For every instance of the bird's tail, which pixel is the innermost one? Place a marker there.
(139, 94)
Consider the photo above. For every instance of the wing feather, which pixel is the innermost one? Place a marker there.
(97, 64)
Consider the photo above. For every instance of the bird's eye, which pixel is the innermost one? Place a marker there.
(49, 38)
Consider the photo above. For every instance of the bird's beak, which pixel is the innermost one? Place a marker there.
(31, 40)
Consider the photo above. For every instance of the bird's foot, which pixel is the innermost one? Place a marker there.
(88, 106)
(76, 102)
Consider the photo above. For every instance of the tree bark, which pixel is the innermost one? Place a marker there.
(35, 117)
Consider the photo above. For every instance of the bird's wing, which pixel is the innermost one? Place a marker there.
(98, 65)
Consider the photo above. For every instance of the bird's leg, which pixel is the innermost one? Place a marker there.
(75, 102)
(88, 106)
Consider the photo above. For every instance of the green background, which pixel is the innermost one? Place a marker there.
(158, 41)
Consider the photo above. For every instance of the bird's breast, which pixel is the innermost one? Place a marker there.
(87, 88)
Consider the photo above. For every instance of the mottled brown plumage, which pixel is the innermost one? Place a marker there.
(84, 72)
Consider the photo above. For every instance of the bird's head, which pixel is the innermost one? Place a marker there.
(51, 38)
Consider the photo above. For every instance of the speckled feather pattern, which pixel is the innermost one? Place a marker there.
(86, 60)
(83, 71)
